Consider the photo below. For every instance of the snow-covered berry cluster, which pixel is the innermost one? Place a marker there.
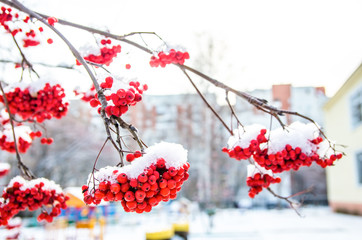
(38, 100)
(21, 194)
(24, 136)
(154, 177)
(17, 24)
(299, 145)
(280, 150)
(102, 56)
(259, 178)
(119, 96)
(172, 56)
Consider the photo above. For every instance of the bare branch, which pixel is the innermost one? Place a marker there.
(71, 67)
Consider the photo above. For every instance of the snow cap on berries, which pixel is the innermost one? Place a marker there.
(255, 168)
(4, 166)
(296, 134)
(20, 132)
(242, 136)
(173, 154)
(48, 184)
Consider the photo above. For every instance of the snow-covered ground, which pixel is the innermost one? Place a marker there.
(230, 224)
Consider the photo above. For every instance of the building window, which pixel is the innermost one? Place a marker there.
(359, 167)
(356, 108)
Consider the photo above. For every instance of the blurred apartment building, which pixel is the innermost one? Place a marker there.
(343, 113)
(215, 178)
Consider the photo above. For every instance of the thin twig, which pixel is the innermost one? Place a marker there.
(95, 162)
(118, 140)
(287, 199)
(232, 110)
(23, 168)
(132, 130)
(41, 64)
(206, 102)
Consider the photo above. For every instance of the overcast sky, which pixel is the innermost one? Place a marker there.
(258, 43)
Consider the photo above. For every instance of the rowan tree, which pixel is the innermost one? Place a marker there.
(145, 175)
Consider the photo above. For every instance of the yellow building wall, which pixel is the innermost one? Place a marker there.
(344, 191)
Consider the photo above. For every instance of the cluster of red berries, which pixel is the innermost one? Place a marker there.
(17, 197)
(162, 59)
(157, 183)
(47, 103)
(10, 146)
(29, 40)
(106, 54)
(22, 144)
(244, 153)
(121, 99)
(293, 158)
(283, 160)
(6, 15)
(260, 181)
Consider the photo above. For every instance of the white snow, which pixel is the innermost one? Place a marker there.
(325, 149)
(20, 131)
(16, 221)
(243, 136)
(296, 134)
(33, 86)
(173, 154)
(255, 168)
(4, 166)
(167, 47)
(89, 48)
(318, 223)
(48, 184)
